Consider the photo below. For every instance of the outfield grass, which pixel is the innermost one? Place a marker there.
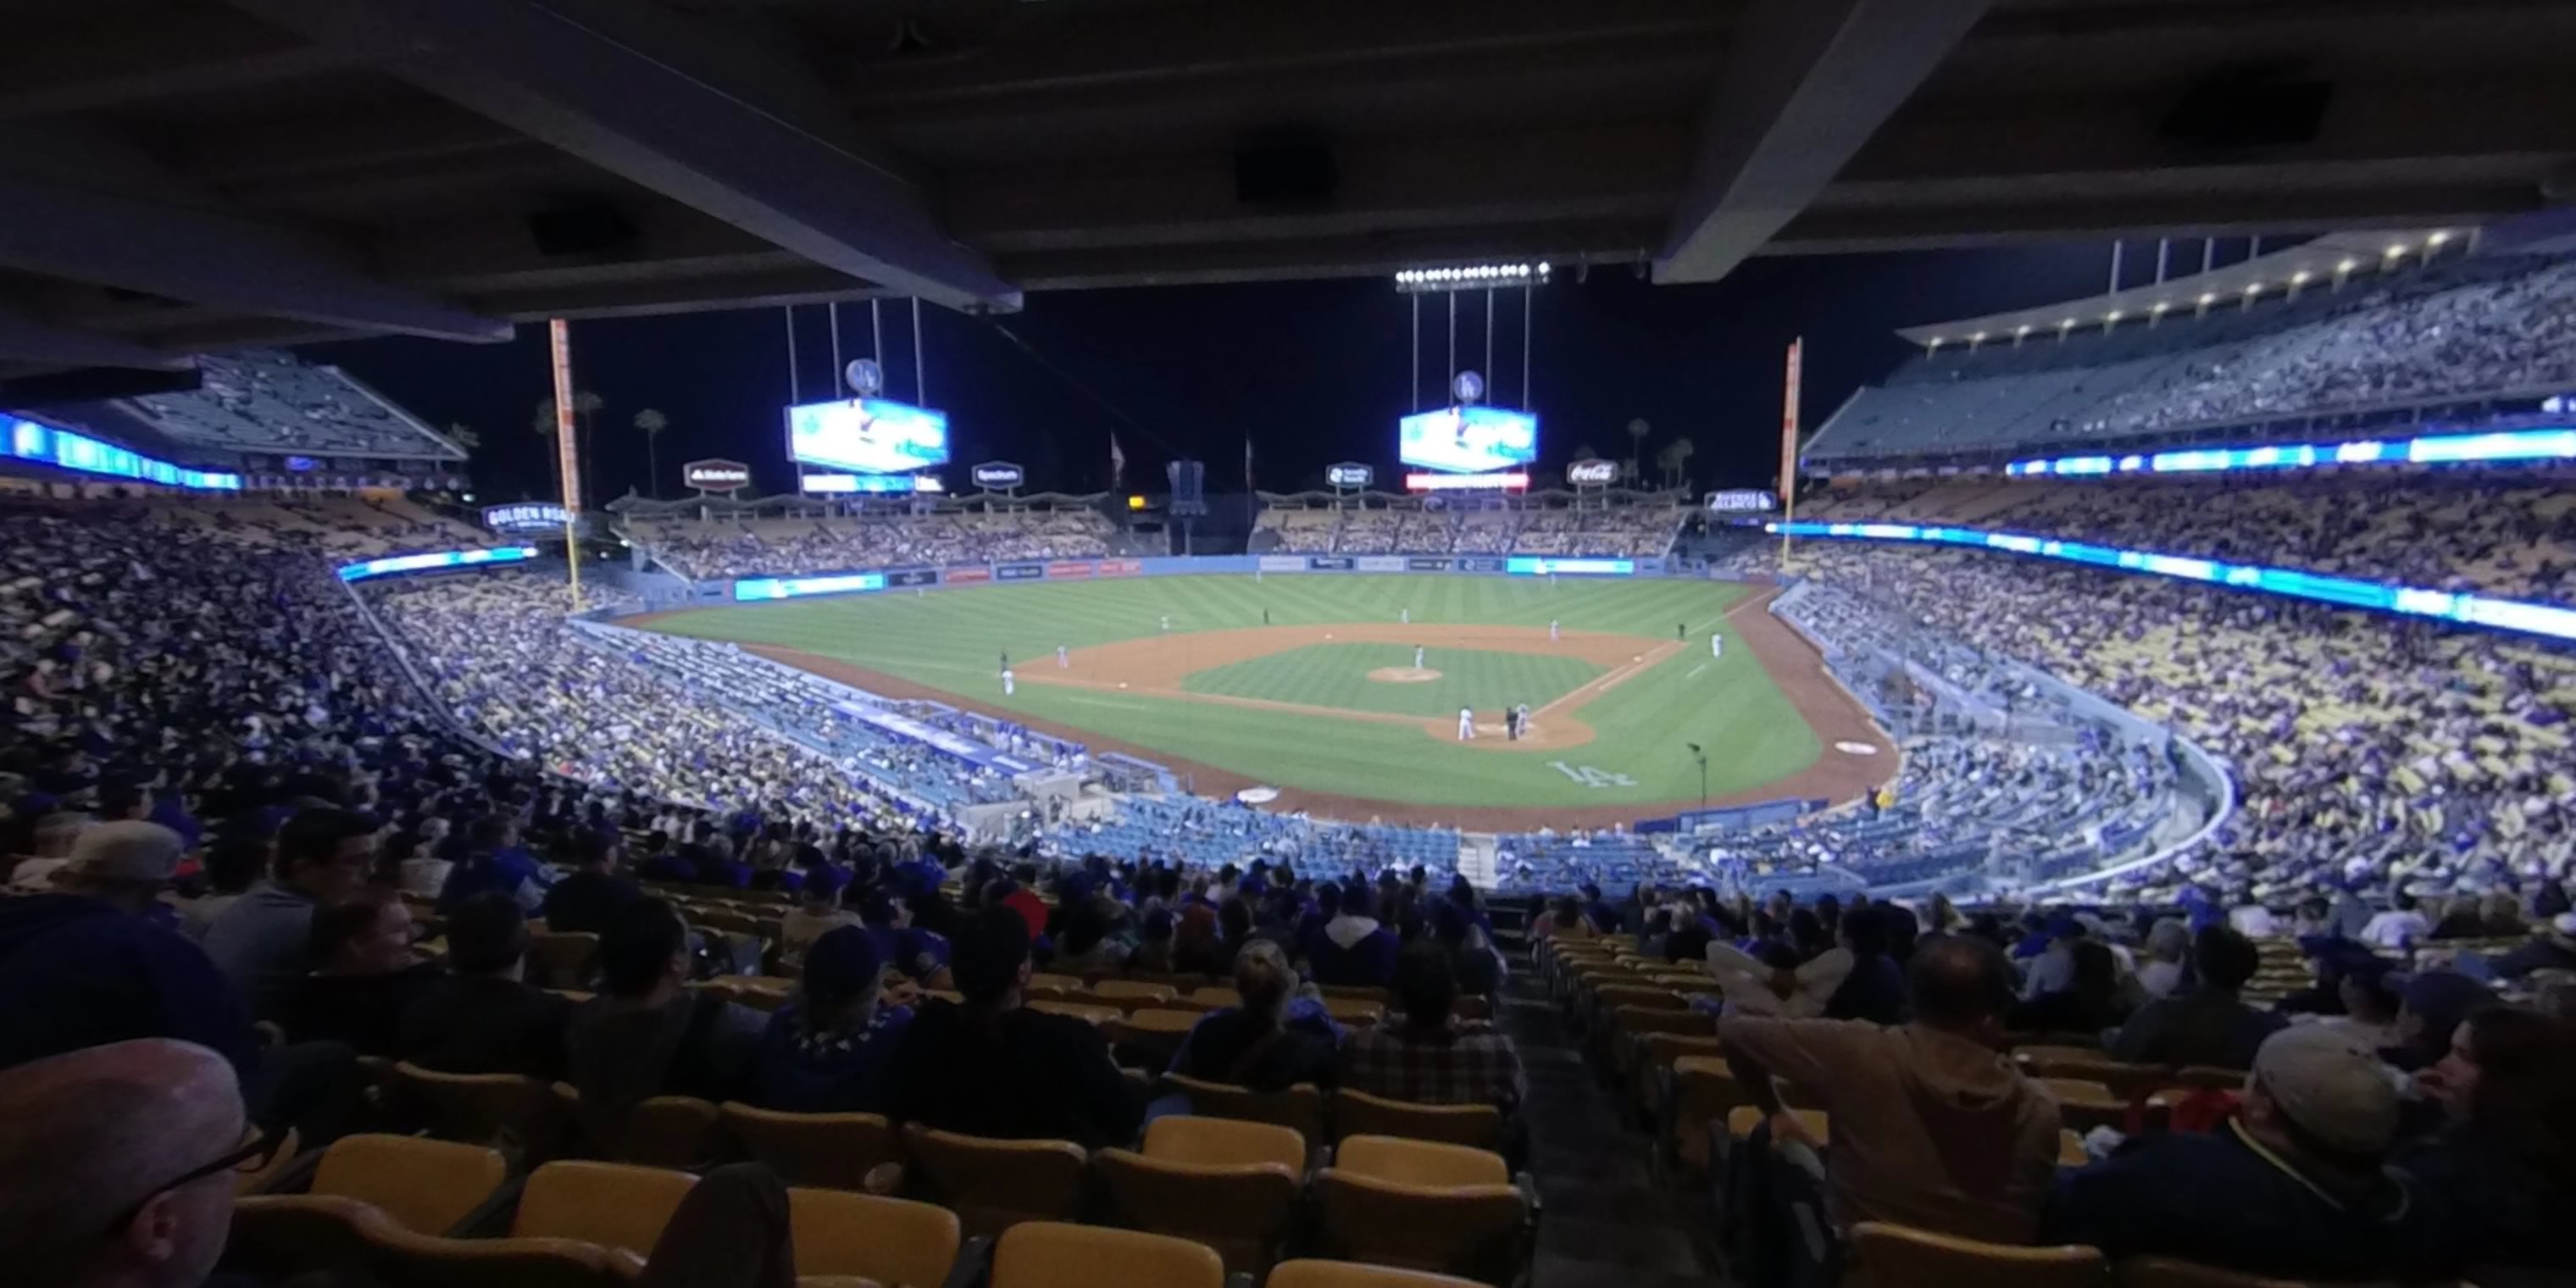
(953, 639)
(1336, 675)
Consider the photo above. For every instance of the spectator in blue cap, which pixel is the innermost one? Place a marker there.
(826, 1051)
(1154, 943)
(908, 950)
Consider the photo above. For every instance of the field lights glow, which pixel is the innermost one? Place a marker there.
(2386, 597)
(1468, 277)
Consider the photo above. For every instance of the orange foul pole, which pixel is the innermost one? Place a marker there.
(567, 457)
(1789, 445)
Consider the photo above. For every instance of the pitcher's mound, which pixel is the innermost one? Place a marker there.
(1403, 674)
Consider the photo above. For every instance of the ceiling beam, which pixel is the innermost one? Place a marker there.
(671, 104)
(798, 284)
(1804, 84)
(172, 52)
(25, 339)
(212, 255)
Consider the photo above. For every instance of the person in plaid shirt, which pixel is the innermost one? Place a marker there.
(1426, 1056)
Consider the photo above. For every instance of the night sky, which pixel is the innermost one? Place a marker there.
(1313, 372)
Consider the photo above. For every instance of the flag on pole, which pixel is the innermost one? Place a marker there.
(1247, 462)
(1117, 463)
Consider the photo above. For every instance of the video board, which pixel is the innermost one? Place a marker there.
(1467, 439)
(870, 435)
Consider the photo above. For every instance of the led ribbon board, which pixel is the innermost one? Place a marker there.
(2431, 449)
(44, 444)
(791, 587)
(2345, 592)
(440, 559)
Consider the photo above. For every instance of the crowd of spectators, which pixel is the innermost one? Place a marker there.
(270, 401)
(717, 548)
(1626, 531)
(2460, 332)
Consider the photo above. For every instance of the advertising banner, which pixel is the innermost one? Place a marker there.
(1470, 564)
(1381, 563)
(961, 576)
(914, 577)
(1537, 566)
(716, 475)
(1592, 473)
(997, 476)
(1018, 572)
(1069, 568)
(526, 516)
(791, 587)
(1426, 565)
(1329, 563)
(1120, 567)
(1283, 563)
(1349, 474)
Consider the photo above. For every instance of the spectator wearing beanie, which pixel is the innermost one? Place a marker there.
(2294, 1185)
(826, 1051)
(991, 1067)
(483, 1017)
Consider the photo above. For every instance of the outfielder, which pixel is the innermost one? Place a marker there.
(1061, 660)
(1551, 630)
(1404, 615)
(1010, 683)
(1716, 645)
(1466, 724)
(1167, 622)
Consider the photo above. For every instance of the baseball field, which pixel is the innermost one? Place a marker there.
(1310, 684)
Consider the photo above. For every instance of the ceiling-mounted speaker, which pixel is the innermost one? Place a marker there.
(1286, 168)
(589, 228)
(2249, 107)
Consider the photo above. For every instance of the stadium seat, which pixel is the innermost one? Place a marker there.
(423, 1185)
(1128, 994)
(614, 1205)
(1478, 1230)
(281, 1236)
(1217, 995)
(1059, 983)
(825, 1151)
(1355, 1011)
(1084, 1011)
(664, 1131)
(429, 1261)
(1357, 1113)
(519, 1116)
(2083, 1105)
(253, 1180)
(1230, 1185)
(1419, 1162)
(2171, 1272)
(1052, 1254)
(1741, 1120)
(993, 1185)
(561, 959)
(1154, 1033)
(1893, 1256)
(1299, 1108)
(2070, 1149)
(1308, 1272)
(885, 1240)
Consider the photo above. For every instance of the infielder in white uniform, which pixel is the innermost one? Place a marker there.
(1417, 657)
(1466, 724)
(1010, 683)
(1716, 645)
(1060, 659)
(1551, 630)
(1404, 615)
(1167, 621)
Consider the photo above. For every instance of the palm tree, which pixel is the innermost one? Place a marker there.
(587, 405)
(1681, 451)
(463, 435)
(652, 423)
(543, 420)
(1637, 431)
(1584, 452)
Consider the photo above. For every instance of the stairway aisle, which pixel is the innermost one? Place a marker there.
(1605, 1223)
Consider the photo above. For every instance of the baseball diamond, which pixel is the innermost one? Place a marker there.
(1325, 703)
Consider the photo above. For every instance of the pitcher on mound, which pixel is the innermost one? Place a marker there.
(1466, 723)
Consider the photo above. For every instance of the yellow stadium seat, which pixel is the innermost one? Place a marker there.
(1060, 983)
(1357, 1113)
(663, 1131)
(428, 1261)
(423, 1185)
(1299, 1108)
(1894, 1256)
(561, 959)
(1355, 1011)
(614, 1205)
(1230, 1185)
(1307, 1272)
(1475, 1230)
(2070, 1149)
(280, 1236)
(1419, 1162)
(2083, 1104)
(1087, 1012)
(826, 1151)
(519, 1116)
(1130, 994)
(993, 1185)
(1217, 995)
(888, 1241)
(1051, 1254)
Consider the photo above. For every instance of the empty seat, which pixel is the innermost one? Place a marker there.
(1087, 1012)
(614, 1205)
(1051, 1254)
(1308, 1272)
(429, 1261)
(1895, 1256)
(280, 1236)
(993, 1185)
(827, 1151)
(1299, 1108)
(561, 959)
(889, 1241)
(1420, 1162)
(1228, 1184)
(519, 1116)
(1357, 1113)
(1129, 994)
(663, 1131)
(1477, 1230)
(423, 1185)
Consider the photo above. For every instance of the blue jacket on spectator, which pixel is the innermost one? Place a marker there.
(75, 972)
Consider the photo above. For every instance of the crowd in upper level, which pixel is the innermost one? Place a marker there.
(718, 548)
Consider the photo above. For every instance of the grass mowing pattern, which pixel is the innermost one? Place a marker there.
(953, 640)
(1336, 675)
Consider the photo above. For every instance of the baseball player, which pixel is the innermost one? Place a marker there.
(1417, 657)
(1521, 713)
(1512, 723)
(1404, 615)
(1716, 645)
(1551, 631)
(1167, 623)
(1010, 682)
(1006, 662)
(1680, 632)
(1466, 724)
(1061, 659)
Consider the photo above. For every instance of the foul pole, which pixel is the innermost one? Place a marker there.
(567, 456)
(1789, 446)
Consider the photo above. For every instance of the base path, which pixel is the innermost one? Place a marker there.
(1793, 665)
